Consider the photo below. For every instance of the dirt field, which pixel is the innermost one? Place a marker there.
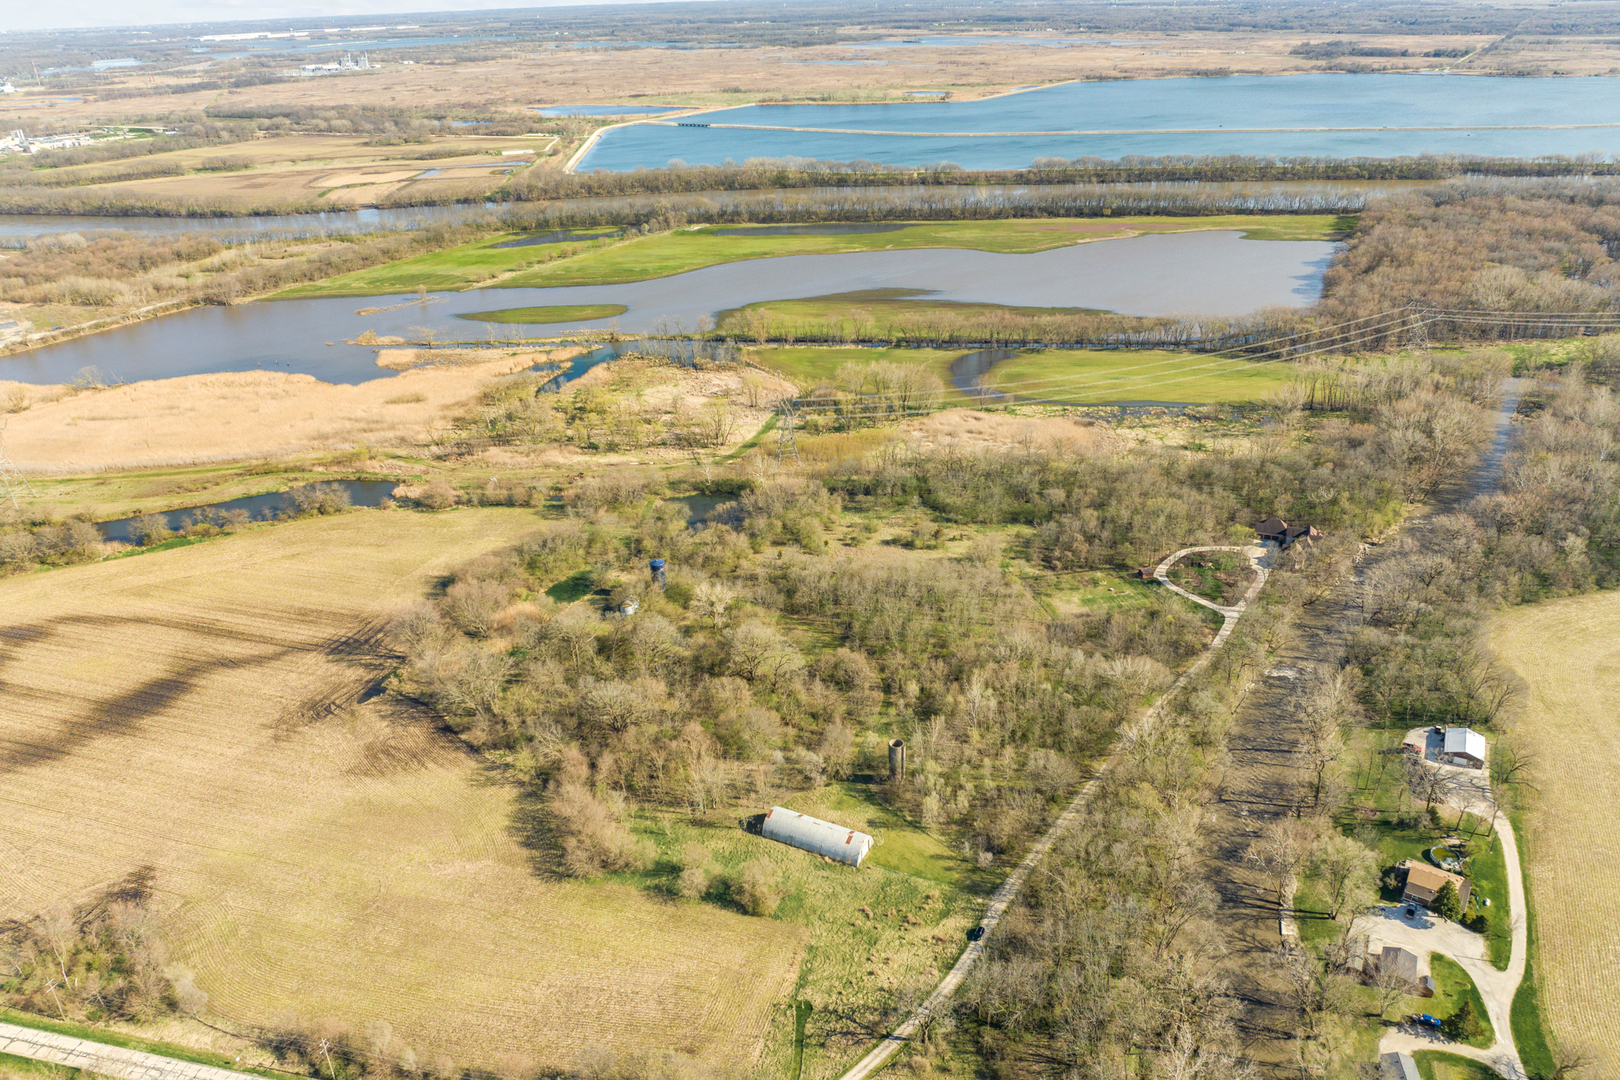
(1569, 653)
(238, 415)
(195, 711)
(337, 169)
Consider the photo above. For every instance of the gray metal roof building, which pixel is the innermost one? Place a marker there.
(811, 834)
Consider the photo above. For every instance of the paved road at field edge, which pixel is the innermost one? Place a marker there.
(104, 1058)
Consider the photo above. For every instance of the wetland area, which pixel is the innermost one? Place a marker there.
(1214, 273)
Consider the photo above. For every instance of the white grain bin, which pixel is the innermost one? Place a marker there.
(812, 834)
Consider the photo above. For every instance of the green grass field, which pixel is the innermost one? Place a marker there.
(1101, 377)
(1439, 1065)
(606, 262)
(557, 314)
(874, 311)
(1451, 987)
(895, 924)
(810, 366)
(1068, 376)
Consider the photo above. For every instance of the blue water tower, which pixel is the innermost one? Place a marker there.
(657, 572)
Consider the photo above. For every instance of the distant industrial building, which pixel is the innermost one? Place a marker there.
(824, 838)
(348, 63)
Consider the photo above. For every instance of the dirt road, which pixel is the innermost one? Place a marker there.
(1007, 892)
(1263, 770)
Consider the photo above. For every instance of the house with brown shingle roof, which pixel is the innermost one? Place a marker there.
(1275, 530)
(1424, 882)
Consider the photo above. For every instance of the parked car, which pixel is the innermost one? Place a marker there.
(1425, 1020)
(976, 933)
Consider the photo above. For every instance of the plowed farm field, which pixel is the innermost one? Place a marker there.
(1568, 651)
(197, 712)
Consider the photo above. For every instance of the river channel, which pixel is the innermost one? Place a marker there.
(1319, 115)
(1211, 273)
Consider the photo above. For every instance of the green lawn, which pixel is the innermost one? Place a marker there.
(1451, 986)
(1488, 872)
(1529, 1029)
(605, 262)
(1100, 377)
(13, 1066)
(1439, 1065)
(556, 314)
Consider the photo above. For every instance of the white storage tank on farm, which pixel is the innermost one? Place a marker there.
(802, 831)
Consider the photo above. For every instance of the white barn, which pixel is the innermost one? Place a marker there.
(1465, 747)
(811, 834)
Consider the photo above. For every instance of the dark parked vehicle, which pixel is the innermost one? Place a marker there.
(976, 933)
(1425, 1020)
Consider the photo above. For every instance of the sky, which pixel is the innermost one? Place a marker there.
(79, 14)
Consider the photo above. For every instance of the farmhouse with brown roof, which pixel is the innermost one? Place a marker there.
(1423, 883)
(1275, 530)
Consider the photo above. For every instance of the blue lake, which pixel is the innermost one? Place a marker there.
(1294, 115)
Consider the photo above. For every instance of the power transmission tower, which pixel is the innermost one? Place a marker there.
(786, 443)
(1420, 329)
(12, 481)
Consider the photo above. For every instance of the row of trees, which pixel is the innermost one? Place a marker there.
(787, 173)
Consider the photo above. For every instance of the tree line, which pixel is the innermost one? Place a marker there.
(790, 173)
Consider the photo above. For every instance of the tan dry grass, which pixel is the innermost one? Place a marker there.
(239, 415)
(975, 430)
(665, 391)
(194, 711)
(1569, 653)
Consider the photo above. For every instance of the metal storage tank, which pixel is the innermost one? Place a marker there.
(812, 834)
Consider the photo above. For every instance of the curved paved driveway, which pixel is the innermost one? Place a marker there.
(1002, 898)
(1428, 933)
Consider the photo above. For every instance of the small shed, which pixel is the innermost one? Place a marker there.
(836, 842)
(1465, 747)
(1424, 882)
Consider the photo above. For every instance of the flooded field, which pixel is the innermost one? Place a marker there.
(1214, 273)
